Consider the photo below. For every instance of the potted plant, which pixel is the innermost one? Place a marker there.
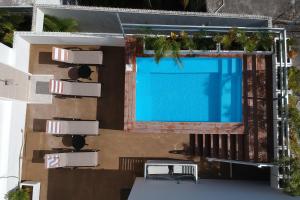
(231, 40)
(54, 24)
(18, 194)
(265, 41)
(27, 190)
(164, 46)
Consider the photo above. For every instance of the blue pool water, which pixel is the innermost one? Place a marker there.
(201, 90)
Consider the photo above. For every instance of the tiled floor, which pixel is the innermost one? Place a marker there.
(113, 177)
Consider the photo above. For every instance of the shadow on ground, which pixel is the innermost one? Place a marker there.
(89, 184)
(110, 107)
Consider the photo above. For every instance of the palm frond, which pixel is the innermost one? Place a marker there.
(54, 24)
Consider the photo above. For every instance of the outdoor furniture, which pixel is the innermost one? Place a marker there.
(83, 71)
(78, 142)
(73, 73)
(74, 88)
(77, 56)
(64, 127)
(71, 159)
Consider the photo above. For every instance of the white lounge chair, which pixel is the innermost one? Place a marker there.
(63, 127)
(71, 159)
(74, 88)
(77, 57)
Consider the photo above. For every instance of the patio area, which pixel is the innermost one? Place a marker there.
(121, 155)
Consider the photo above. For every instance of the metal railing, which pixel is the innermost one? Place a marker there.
(281, 125)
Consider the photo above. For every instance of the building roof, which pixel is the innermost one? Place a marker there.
(204, 189)
(109, 22)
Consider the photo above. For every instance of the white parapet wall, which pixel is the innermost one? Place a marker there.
(22, 53)
(7, 55)
(18, 56)
(66, 38)
(12, 124)
(39, 21)
(49, 2)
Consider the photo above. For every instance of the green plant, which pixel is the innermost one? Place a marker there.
(12, 22)
(292, 181)
(163, 46)
(218, 38)
(265, 41)
(18, 194)
(294, 79)
(251, 43)
(232, 40)
(169, 45)
(149, 42)
(236, 39)
(292, 48)
(202, 42)
(292, 42)
(186, 42)
(54, 24)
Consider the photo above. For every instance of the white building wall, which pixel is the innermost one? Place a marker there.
(39, 21)
(61, 38)
(49, 2)
(12, 124)
(6, 55)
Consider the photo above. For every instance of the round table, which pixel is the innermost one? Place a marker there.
(73, 73)
(78, 142)
(83, 71)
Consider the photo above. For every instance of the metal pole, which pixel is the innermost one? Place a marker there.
(230, 166)
(121, 26)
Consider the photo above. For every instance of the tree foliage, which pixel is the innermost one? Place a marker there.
(12, 22)
(18, 194)
(292, 184)
(236, 39)
(54, 24)
(294, 80)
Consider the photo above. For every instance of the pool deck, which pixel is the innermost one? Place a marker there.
(121, 154)
(250, 140)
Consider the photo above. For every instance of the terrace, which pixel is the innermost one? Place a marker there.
(121, 154)
(125, 143)
(251, 139)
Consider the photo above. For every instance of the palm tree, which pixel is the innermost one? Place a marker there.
(185, 3)
(8, 24)
(54, 24)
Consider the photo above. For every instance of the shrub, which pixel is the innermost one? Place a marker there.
(10, 23)
(292, 183)
(18, 194)
(294, 80)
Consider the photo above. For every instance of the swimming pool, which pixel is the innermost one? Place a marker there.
(201, 90)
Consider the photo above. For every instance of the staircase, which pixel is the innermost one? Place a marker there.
(256, 144)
